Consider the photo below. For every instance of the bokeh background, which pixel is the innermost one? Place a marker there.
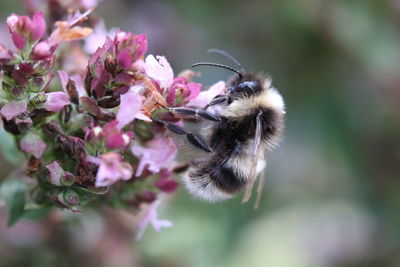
(332, 194)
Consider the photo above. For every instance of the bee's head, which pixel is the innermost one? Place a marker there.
(245, 88)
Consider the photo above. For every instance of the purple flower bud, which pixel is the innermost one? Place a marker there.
(18, 40)
(108, 102)
(33, 144)
(38, 26)
(42, 50)
(167, 185)
(17, 92)
(124, 59)
(148, 196)
(110, 64)
(114, 137)
(26, 69)
(19, 77)
(89, 105)
(21, 27)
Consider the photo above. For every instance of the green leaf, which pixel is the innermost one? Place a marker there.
(9, 148)
(12, 191)
(36, 214)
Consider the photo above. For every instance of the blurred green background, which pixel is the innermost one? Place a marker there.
(332, 194)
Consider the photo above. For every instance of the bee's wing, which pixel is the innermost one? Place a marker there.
(255, 156)
(260, 187)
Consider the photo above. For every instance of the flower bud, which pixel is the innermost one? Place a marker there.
(57, 176)
(72, 92)
(41, 50)
(38, 99)
(108, 102)
(110, 64)
(69, 198)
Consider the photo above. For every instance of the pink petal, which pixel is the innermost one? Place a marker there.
(64, 77)
(56, 172)
(33, 144)
(94, 160)
(151, 217)
(141, 45)
(129, 108)
(56, 101)
(160, 153)
(205, 97)
(171, 95)
(38, 26)
(111, 169)
(12, 22)
(13, 109)
(42, 50)
(194, 90)
(160, 70)
(79, 84)
(19, 40)
(124, 59)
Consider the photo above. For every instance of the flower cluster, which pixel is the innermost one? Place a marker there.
(92, 132)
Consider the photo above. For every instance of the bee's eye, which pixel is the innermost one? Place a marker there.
(248, 87)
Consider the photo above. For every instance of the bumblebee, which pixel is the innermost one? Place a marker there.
(248, 123)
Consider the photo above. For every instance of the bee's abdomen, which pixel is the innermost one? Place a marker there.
(213, 182)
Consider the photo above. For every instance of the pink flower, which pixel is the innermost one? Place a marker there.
(188, 90)
(129, 108)
(64, 78)
(33, 144)
(42, 50)
(206, 96)
(111, 169)
(160, 70)
(166, 185)
(22, 27)
(97, 38)
(160, 153)
(13, 109)
(56, 101)
(151, 217)
(131, 46)
(114, 137)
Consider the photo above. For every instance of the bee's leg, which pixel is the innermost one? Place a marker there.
(217, 100)
(200, 112)
(194, 139)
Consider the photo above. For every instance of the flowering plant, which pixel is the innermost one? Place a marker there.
(86, 118)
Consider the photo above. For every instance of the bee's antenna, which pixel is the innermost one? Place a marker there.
(226, 54)
(219, 66)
